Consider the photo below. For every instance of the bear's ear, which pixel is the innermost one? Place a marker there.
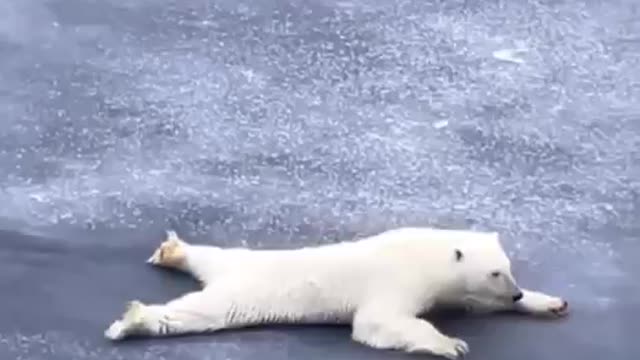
(458, 255)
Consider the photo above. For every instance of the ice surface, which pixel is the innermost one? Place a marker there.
(309, 116)
(331, 109)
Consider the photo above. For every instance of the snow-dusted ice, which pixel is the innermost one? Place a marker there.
(285, 122)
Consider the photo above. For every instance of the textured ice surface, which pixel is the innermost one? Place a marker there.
(66, 346)
(275, 119)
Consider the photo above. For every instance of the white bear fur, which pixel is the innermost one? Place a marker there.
(379, 285)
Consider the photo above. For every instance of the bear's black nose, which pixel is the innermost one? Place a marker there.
(517, 296)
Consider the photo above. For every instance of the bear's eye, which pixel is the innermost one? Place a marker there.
(495, 274)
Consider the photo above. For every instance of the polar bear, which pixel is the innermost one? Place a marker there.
(378, 284)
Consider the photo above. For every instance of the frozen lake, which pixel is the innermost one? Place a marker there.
(280, 123)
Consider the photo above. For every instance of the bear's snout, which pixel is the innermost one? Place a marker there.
(518, 296)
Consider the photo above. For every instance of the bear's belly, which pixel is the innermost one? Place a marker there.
(254, 300)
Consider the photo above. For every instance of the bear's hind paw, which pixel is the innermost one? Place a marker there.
(171, 253)
(131, 320)
(116, 331)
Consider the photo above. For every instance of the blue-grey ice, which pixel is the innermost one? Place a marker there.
(280, 123)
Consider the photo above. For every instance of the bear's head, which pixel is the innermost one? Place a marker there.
(485, 275)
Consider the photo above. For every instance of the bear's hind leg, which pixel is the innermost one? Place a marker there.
(204, 262)
(184, 315)
(171, 253)
(395, 331)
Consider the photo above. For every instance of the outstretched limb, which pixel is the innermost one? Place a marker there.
(201, 261)
(184, 315)
(540, 304)
(383, 328)
(172, 253)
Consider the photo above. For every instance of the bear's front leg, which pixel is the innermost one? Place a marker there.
(540, 304)
(405, 332)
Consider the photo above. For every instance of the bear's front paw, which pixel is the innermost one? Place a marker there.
(447, 347)
(559, 307)
(538, 303)
(553, 307)
(453, 348)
